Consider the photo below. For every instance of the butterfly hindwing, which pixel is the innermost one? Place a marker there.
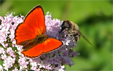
(33, 52)
(47, 46)
(51, 44)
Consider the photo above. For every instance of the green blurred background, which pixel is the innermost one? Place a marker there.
(94, 19)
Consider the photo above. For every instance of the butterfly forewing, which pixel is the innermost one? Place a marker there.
(36, 21)
(23, 33)
(33, 25)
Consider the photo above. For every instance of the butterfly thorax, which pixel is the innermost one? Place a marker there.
(40, 38)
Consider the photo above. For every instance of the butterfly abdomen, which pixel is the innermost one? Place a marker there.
(29, 44)
(38, 40)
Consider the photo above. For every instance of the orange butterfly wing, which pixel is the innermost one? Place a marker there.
(33, 25)
(48, 45)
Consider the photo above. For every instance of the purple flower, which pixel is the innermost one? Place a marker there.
(11, 55)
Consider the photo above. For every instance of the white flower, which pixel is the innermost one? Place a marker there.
(15, 69)
(2, 50)
(33, 65)
(23, 63)
(8, 63)
(3, 56)
(1, 68)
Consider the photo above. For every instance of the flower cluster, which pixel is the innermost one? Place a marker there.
(12, 59)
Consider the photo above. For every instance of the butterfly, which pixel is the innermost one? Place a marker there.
(31, 34)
